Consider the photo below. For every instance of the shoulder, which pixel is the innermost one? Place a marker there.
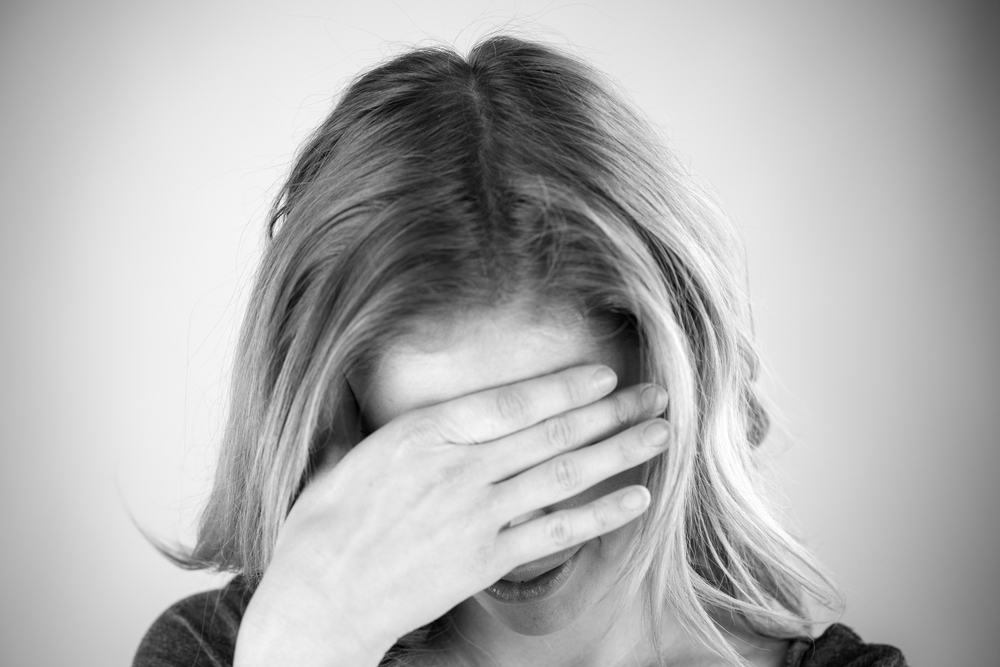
(199, 631)
(840, 646)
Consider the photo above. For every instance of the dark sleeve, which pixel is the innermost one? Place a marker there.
(840, 646)
(199, 631)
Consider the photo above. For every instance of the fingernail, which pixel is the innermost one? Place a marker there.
(656, 433)
(605, 378)
(635, 499)
(654, 399)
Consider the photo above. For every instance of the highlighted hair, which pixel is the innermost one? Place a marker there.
(516, 173)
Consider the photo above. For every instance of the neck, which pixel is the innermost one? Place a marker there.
(598, 638)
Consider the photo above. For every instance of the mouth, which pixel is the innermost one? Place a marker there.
(535, 580)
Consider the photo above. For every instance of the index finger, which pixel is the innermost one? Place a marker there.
(500, 411)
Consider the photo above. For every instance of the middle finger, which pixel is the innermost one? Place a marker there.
(571, 430)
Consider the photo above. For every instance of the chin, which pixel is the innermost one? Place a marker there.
(532, 619)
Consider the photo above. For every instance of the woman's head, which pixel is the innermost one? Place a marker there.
(443, 359)
(443, 186)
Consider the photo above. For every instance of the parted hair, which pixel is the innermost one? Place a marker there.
(517, 173)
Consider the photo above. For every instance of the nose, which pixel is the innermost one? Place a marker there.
(516, 521)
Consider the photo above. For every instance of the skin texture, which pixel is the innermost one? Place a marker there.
(492, 439)
(491, 349)
(463, 355)
(451, 490)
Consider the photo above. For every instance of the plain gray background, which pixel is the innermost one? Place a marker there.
(855, 142)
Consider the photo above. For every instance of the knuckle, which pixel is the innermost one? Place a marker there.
(494, 510)
(459, 472)
(512, 405)
(559, 528)
(627, 451)
(602, 517)
(566, 473)
(482, 559)
(421, 430)
(620, 413)
(575, 391)
(559, 432)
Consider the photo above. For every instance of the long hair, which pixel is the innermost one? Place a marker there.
(440, 183)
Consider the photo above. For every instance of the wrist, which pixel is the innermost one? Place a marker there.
(290, 623)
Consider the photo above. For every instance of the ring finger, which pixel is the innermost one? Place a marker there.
(569, 474)
(566, 528)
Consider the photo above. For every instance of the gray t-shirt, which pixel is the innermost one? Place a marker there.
(200, 631)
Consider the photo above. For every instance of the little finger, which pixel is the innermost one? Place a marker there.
(560, 530)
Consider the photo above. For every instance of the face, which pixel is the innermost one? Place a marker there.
(441, 361)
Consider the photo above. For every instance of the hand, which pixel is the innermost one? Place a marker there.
(414, 519)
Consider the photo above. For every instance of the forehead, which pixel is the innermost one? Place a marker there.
(441, 360)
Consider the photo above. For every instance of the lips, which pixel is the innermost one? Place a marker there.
(537, 568)
(536, 580)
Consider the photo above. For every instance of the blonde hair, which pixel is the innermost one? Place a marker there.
(518, 172)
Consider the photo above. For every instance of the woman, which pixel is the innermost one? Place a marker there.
(494, 399)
